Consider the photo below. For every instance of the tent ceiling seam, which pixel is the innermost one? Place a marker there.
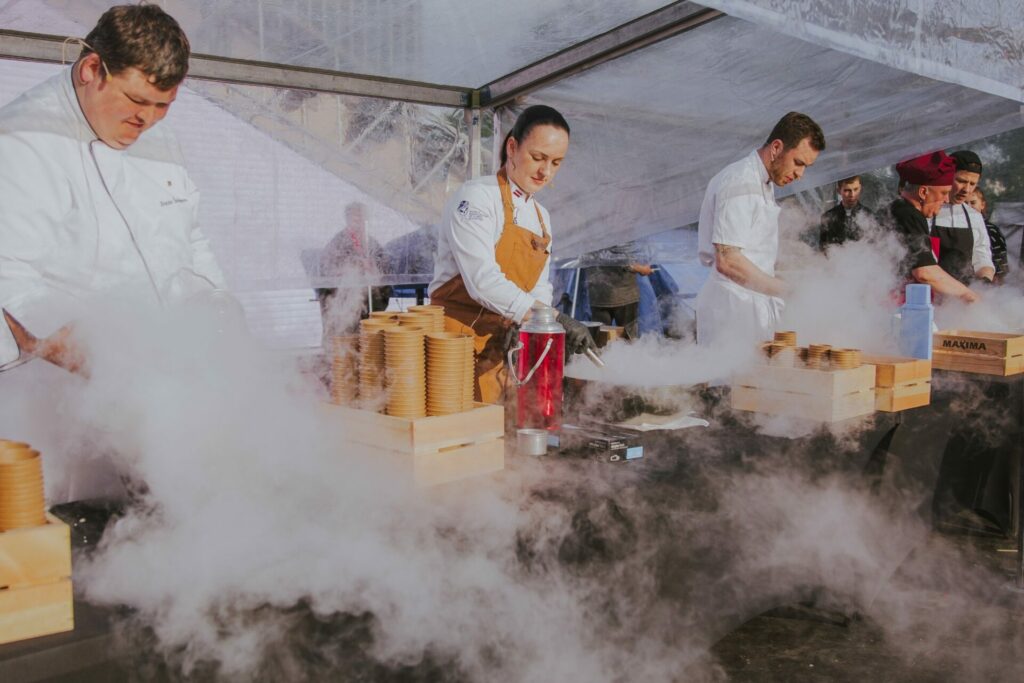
(39, 47)
(647, 30)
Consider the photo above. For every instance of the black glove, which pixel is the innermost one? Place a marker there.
(510, 340)
(577, 336)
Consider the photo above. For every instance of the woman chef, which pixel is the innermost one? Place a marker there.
(494, 247)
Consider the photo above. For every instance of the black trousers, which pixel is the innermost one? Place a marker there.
(624, 316)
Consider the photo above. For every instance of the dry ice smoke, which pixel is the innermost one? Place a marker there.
(261, 545)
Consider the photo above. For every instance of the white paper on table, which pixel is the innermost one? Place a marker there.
(648, 423)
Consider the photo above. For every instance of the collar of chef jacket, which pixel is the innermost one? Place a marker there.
(767, 186)
(520, 201)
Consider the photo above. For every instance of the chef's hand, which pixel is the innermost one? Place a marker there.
(641, 268)
(59, 348)
(577, 336)
(511, 339)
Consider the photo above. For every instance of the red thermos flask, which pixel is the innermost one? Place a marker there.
(537, 373)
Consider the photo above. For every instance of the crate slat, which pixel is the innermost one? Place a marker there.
(38, 554)
(978, 364)
(977, 343)
(820, 383)
(893, 370)
(37, 610)
(903, 396)
(35, 581)
(439, 449)
(806, 406)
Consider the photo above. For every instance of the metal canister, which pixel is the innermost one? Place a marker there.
(538, 370)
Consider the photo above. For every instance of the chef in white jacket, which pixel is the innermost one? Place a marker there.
(738, 234)
(95, 197)
(96, 206)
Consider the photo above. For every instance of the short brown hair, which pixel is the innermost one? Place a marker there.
(144, 37)
(847, 181)
(794, 127)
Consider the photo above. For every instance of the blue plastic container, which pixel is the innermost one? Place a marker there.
(916, 318)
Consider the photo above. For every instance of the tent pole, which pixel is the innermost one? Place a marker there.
(473, 120)
(575, 293)
(496, 139)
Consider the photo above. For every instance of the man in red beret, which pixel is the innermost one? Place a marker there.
(926, 182)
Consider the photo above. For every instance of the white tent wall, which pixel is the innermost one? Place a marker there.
(651, 128)
(975, 44)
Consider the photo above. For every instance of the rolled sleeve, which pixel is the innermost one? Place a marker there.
(470, 233)
(981, 256)
(734, 217)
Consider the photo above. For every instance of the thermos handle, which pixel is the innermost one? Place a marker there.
(512, 364)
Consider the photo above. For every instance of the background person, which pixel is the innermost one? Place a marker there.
(352, 254)
(738, 234)
(840, 224)
(494, 247)
(964, 249)
(614, 291)
(925, 185)
(1000, 255)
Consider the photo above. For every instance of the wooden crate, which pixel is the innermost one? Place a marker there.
(609, 333)
(986, 353)
(820, 395)
(901, 383)
(35, 581)
(439, 449)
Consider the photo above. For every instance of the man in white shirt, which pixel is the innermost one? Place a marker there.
(96, 199)
(738, 234)
(965, 249)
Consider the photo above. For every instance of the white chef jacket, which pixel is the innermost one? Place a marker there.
(966, 216)
(471, 225)
(79, 219)
(738, 210)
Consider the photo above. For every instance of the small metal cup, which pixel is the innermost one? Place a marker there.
(532, 441)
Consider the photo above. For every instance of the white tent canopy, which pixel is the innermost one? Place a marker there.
(381, 95)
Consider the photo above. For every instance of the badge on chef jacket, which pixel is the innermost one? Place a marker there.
(467, 212)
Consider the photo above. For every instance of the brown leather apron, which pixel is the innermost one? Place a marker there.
(521, 255)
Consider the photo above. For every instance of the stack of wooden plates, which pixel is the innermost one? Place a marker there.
(423, 321)
(371, 361)
(436, 312)
(787, 338)
(21, 486)
(344, 369)
(817, 356)
(405, 361)
(844, 359)
(450, 370)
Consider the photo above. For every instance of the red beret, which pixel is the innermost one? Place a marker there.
(928, 169)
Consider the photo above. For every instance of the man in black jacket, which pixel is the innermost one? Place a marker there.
(843, 222)
(1000, 258)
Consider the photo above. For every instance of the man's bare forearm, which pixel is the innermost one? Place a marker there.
(943, 283)
(730, 262)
